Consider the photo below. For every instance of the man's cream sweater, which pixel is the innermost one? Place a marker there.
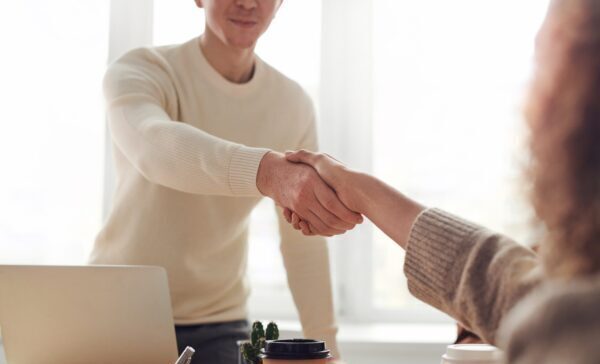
(187, 145)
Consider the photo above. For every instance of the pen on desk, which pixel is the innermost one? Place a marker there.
(186, 356)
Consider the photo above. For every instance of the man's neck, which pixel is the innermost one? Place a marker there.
(236, 65)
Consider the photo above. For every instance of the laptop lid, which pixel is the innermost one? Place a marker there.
(86, 314)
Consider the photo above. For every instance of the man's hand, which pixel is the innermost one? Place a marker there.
(299, 188)
(334, 173)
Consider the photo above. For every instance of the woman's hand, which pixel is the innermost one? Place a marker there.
(333, 172)
(386, 207)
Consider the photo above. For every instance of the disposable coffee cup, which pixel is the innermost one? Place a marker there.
(295, 351)
(472, 354)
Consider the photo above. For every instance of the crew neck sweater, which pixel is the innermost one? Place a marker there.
(187, 144)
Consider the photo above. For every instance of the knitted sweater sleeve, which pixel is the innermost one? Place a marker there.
(468, 272)
(140, 97)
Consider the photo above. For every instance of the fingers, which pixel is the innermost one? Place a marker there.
(298, 223)
(343, 218)
(287, 214)
(302, 156)
(305, 228)
(330, 220)
(295, 220)
(315, 220)
(319, 220)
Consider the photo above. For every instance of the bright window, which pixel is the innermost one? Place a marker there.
(449, 79)
(52, 130)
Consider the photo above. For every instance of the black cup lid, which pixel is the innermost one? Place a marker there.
(294, 349)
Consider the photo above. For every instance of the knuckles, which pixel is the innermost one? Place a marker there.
(303, 188)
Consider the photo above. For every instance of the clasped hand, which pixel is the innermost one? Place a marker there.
(311, 189)
(304, 184)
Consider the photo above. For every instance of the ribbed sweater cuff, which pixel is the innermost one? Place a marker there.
(243, 168)
(436, 244)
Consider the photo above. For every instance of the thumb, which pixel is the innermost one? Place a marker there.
(301, 156)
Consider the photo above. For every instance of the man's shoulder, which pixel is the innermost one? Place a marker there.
(163, 56)
(148, 57)
(143, 70)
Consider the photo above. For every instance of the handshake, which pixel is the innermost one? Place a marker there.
(319, 195)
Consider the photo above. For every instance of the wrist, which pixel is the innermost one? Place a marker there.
(360, 185)
(264, 175)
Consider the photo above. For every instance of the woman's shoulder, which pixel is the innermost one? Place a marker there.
(558, 323)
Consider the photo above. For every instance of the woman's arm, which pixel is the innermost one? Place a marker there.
(460, 268)
(386, 207)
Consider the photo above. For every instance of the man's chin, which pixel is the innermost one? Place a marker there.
(243, 43)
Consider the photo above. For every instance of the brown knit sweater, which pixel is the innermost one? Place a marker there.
(481, 279)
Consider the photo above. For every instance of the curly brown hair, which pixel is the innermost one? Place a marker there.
(563, 113)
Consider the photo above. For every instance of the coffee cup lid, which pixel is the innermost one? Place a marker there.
(295, 349)
(481, 352)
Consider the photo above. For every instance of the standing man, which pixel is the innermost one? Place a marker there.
(196, 128)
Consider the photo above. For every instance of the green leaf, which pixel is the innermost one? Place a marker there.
(257, 332)
(272, 331)
(261, 343)
(254, 338)
(250, 353)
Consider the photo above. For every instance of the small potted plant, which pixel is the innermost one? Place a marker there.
(258, 338)
(265, 348)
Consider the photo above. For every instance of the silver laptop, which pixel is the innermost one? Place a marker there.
(86, 314)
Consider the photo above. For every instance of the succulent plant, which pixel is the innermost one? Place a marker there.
(257, 332)
(251, 350)
(250, 353)
(272, 332)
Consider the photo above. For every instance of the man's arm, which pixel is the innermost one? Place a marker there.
(140, 99)
(306, 260)
(173, 154)
(180, 156)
